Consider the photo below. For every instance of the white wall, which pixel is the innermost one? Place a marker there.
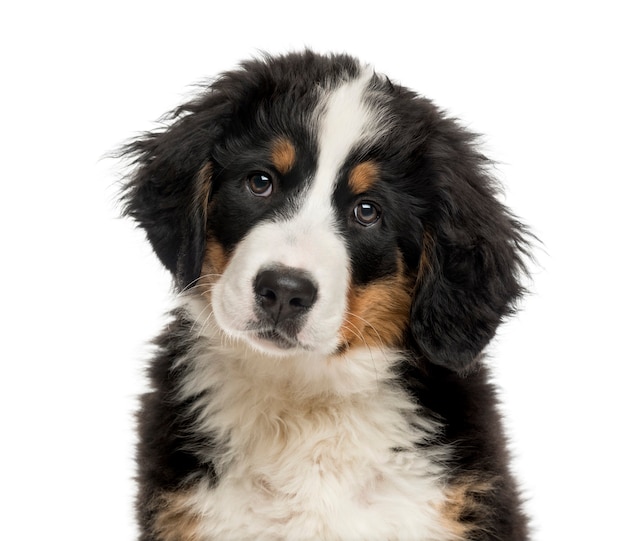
(83, 294)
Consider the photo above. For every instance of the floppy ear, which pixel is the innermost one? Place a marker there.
(472, 263)
(167, 193)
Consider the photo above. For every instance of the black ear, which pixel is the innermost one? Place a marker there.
(167, 192)
(472, 261)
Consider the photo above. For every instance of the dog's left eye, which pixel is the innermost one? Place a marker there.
(260, 184)
(367, 213)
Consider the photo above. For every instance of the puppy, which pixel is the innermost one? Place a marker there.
(342, 261)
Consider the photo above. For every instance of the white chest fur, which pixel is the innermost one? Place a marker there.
(300, 463)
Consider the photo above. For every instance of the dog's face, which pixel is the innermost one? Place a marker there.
(305, 222)
(315, 207)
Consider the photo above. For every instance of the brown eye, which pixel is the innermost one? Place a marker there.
(260, 184)
(366, 213)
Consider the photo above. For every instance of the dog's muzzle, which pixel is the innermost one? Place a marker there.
(283, 296)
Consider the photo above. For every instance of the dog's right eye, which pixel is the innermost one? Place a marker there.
(367, 213)
(260, 184)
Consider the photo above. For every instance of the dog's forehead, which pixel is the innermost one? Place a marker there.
(347, 120)
(349, 116)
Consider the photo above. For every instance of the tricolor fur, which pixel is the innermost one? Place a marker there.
(342, 261)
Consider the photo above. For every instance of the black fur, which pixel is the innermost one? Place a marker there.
(475, 258)
(166, 456)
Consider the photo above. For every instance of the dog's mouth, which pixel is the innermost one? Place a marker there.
(278, 339)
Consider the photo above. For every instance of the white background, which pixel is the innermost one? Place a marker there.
(82, 293)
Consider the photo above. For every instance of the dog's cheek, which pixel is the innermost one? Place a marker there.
(377, 314)
(216, 260)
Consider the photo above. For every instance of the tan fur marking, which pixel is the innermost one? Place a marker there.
(464, 500)
(203, 187)
(283, 155)
(176, 521)
(215, 261)
(378, 313)
(426, 258)
(362, 177)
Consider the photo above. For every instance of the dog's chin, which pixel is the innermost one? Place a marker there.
(274, 343)
(276, 339)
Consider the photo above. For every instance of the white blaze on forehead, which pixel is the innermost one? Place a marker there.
(345, 120)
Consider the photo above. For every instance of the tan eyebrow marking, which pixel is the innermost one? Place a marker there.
(283, 155)
(363, 176)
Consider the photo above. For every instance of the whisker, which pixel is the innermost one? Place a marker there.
(354, 329)
(197, 319)
(368, 324)
(360, 334)
(195, 283)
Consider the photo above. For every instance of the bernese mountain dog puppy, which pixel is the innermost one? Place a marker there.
(341, 261)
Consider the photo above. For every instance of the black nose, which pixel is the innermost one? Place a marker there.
(284, 293)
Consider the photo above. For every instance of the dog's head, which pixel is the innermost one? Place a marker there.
(316, 206)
